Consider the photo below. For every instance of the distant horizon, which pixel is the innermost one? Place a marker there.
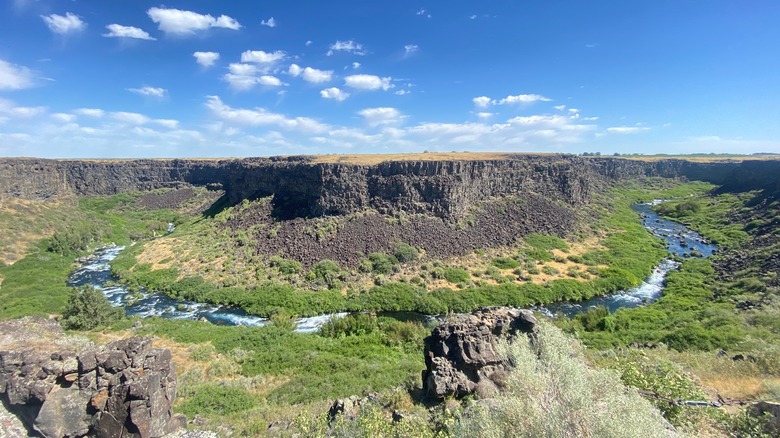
(226, 78)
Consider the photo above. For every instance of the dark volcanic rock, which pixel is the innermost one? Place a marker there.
(123, 389)
(460, 354)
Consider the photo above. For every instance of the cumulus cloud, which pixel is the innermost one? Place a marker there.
(334, 93)
(482, 101)
(63, 117)
(90, 112)
(316, 76)
(243, 77)
(179, 22)
(368, 82)
(355, 65)
(119, 31)
(262, 117)
(10, 109)
(484, 115)
(129, 118)
(149, 91)
(294, 70)
(269, 22)
(15, 77)
(423, 13)
(167, 123)
(349, 46)
(262, 57)
(627, 129)
(523, 98)
(206, 59)
(381, 116)
(410, 49)
(64, 24)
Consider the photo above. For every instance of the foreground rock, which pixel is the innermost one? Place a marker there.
(461, 356)
(123, 389)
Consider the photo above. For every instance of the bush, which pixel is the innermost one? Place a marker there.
(215, 399)
(552, 392)
(350, 325)
(505, 263)
(285, 266)
(456, 275)
(405, 252)
(88, 308)
(382, 263)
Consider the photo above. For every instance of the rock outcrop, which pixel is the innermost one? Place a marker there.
(302, 188)
(461, 355)
(123, 389)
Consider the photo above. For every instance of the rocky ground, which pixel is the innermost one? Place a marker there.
(348, 239)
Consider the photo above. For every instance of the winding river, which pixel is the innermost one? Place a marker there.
(96, 272)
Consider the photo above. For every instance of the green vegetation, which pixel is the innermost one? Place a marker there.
(216, 399)
(88, 308)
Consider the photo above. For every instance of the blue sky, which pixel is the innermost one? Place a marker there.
(227, 78)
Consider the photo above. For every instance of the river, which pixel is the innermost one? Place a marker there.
(96, 272)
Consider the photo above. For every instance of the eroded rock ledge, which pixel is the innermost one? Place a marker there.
(461, 355)
(125, 388)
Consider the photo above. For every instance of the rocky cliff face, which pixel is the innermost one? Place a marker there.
(446, 189)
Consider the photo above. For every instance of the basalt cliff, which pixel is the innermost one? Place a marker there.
(302, 187)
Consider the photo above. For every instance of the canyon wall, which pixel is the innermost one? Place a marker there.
(301, 188)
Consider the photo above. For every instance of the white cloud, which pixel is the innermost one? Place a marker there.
(381, 116)
(560, 107)
(206, 59)
(355, 65)
(262, 117)
(243, 77)
(64, 24)
(368, 82)
(269, 22)
(481, 101)
(179, 22)
(409, 49)
(349, 46)
(15, 77)
(10, 109)
(334, 93)
(294, 70)
(149, 91)
(484, 115)
(401, 92)
(91, 112)
(627, 129)
(167, 123)
(309, 42)
(523, 98)
(269, 81)
(263, 58)
(424, 13)
(473, 17)
(130, 118)
(315, 76)
(63, 117)
(119, 31)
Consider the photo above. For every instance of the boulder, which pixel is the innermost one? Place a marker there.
(125, 388)
(460, 354)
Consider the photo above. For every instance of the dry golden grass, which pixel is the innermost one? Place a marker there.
(24, 222)
(702, 158)
(372, 159)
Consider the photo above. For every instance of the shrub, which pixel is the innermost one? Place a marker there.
(88, 308)
(216, 399)
(382, 263)
(285, 266)
(456, 275)
(350, 325)
(552, 392)
(505, 263)
(405, 252)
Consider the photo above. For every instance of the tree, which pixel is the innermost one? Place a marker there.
(88, 308)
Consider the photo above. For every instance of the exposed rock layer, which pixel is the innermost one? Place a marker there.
(446, 189)
(460, 354)
(123, 389)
